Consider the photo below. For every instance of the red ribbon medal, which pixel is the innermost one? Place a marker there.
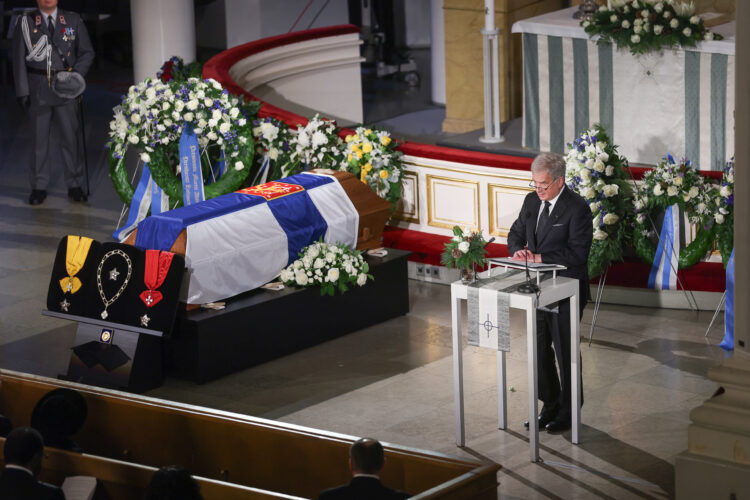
(155, 271)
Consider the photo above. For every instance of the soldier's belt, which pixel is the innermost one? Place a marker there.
(43, 72)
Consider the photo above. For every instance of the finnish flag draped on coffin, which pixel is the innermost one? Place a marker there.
(241, 240)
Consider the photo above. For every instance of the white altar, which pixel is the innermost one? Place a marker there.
(677, 101)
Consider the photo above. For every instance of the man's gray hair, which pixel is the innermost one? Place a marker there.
(550, 162)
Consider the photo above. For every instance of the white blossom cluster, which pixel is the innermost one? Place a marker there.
(589, 173)
(316, 145)
(153, 114)
(326, 263)
(724, 194)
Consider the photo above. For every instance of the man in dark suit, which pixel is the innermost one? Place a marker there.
(52, 41)
(554, 226)
(366, 460)
(23, 462)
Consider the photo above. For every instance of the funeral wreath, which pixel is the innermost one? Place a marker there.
(316, 145)
(648, 25)
(595, 171)
(272, 138)
(332, 267)
(670, 183)
(723, 198)
(152, 118)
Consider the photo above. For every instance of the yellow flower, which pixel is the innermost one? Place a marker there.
(359, 154)
(355, 148)
(367, 147)
(349, 158)
(385, 140)
(348, 138)
(367, 167)
(383, 174)
(355, 137)
(368, 131)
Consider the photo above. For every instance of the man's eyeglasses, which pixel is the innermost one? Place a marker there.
(542, 187)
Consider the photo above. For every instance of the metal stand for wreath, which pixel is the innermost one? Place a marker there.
(598, 301)
(716, 313)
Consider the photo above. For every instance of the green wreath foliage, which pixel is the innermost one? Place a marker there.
(724, 215)
(674, 183)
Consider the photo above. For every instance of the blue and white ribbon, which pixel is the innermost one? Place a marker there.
(190, 167)
(728, 341)
(139, 205)
(663, 275)
(262, 176)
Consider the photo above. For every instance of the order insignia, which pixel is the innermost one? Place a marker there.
(64, 305)
(144, 320)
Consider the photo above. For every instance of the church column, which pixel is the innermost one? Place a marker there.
(717, 462)
(161, 29)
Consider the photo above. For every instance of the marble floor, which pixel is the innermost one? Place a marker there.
(643, 373)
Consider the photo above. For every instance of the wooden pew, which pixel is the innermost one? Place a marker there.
(239, 449)
(118, 480)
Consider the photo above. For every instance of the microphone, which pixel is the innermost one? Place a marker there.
(527, 287)
(490, 241)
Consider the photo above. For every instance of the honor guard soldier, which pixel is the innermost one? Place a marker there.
(51, 54)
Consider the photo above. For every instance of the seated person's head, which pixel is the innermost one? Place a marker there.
(24, 446)
(173, 482)
(366, 456)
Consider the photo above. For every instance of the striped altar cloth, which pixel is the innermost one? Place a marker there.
(678, 101)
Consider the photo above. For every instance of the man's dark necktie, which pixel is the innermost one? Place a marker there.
(541, 226)
(50, 26)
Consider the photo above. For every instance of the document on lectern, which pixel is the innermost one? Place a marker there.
(521, 264)
(79, 487)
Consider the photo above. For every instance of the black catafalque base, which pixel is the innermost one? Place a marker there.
(262, 325)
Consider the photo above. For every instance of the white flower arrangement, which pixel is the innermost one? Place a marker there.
(332, 267)
(649, 25)
(723, 201)
(596, 172)
(273, 137)
(372, 155)
(316, 145)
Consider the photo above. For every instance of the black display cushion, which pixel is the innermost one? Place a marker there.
(162, 314)
(121, 310)
(77, 301)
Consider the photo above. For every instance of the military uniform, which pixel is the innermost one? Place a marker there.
(69, 35)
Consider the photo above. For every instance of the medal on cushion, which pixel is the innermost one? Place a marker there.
(108, 302)
(75, 257)
(154, 273)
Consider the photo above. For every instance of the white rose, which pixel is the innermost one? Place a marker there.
(301, 278)
(659, 7)
(600, 235)
(644, 13)
(609, 170)
(585, 176)
(667, 14)
(330, 256)
(239, 165)
(638, 204)
(599, 165)
(674, 23)
(725, 191)
(133, 139)
(216, 115)
(361, 279)
(464, 246)
(145, 158)
(610, 219)
(658, 28)
(233, 113)
(135, 118)
(297, 264)
(613, 18)
(635, 39)
(695, 20)
(719, 218)
(224, 128)
(701, 207)
(693, 191)
(333, 274)
(188, 117)
(241, 122)
(273, 153)
(625, 24)
(637, 29)
(319, 263)
(215, 84)
(594, 207)
(588, 193)
(641, 218)
(708, 36)
(212, 136)
(610, 190)
(687, 32)
(671, 191)
(192, 104)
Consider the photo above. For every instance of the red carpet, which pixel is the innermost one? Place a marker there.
(426, 248)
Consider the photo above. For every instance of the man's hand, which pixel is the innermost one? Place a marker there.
(24, 101)
(523, 255)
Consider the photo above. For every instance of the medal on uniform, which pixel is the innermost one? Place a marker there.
(108, 302)
(62, 19)
(154, 273)
(144, 320)
(75, 257)
(37, 21)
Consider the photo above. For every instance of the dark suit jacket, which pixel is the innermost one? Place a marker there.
(16, 484)
(71, 38)
(566, 241)
(363, 488)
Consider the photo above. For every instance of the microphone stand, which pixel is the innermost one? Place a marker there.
(527, 287)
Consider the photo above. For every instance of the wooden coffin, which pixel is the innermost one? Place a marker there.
(224, 447)
(373, 214)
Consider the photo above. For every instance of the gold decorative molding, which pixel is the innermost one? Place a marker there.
(495, 228)
(525, 178)
(432, 219)
(411, 216)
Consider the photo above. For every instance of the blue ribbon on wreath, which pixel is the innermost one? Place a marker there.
(728, 341)
(661, 276)
(190, 167)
